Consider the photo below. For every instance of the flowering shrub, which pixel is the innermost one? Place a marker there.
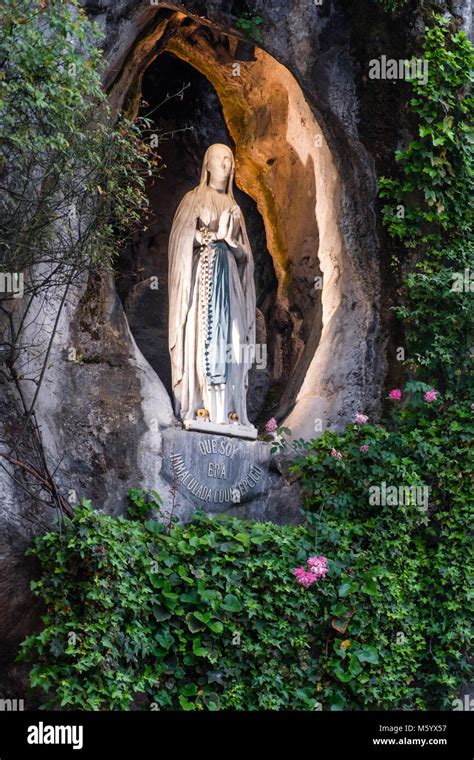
(208, 616)
(410, 556)
(363, 607)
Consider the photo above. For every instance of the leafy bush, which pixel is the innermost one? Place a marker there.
(429, 210)
(209, 615)
(437, 166)
(73, 179)
(143, 502)
(420, 541)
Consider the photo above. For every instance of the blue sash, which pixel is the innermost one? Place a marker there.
(218, 317)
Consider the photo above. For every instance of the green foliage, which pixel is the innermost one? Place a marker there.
(438, 165)
(73, 180)
(438, 315)
(280, 442)
(429, 210)
(249, 25)
(143, 502)
(208, 616)
(418, 550)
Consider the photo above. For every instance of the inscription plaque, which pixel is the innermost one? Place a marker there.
(215, 471)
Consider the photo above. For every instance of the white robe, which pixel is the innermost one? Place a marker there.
(191, 388)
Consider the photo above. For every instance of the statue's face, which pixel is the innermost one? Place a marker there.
(219, 163)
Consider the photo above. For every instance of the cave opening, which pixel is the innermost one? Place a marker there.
(186, 118)
(291, 201)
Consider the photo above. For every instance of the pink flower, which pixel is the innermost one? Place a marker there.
(336, 454)
(271, 425)
(364, 448)
(395, 394)
(431, 395)
(304, 577)
(361, 419)
(317, 569)
(318, 566)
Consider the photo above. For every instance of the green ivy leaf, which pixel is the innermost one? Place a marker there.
(231, 603)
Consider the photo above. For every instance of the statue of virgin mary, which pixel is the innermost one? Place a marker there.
(212, 299)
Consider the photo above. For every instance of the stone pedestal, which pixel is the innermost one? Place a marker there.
(234, 429)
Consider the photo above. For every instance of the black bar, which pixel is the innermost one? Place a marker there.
(340, 734)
